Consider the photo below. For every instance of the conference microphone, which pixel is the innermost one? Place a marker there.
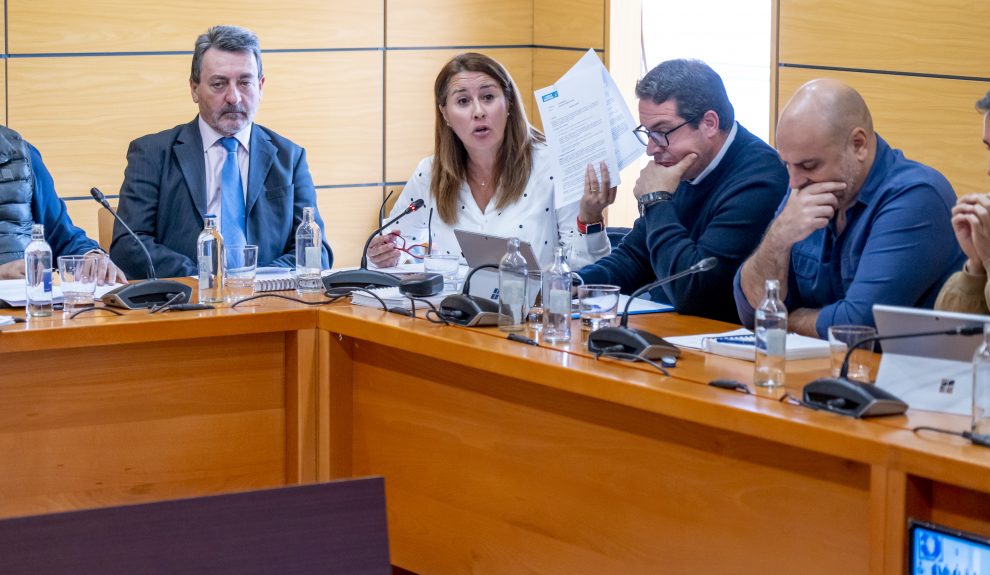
(142, 293)
(470, 310)
(846, 397)
(636, 342)
(363, 277)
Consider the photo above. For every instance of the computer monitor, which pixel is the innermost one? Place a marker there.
(937, 550)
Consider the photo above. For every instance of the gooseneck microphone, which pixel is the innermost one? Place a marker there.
(847, 397)
(636, 342)
(143, 293)
(99, 197)
(363, 277)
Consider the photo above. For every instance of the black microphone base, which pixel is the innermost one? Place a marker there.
(469, 310)
(631, 341)
(852, 398)
(359, 278)
(147, 293)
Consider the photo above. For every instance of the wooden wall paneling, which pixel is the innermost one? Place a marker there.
(396, 191)
(933, 120)
(774, 102)
(947, 37)
(331, 104)
(81, 113)
(84, 213)
(458, 23)
(3, 74)
(349, 215)
(575, 23)
(409, 101)
(47, 26)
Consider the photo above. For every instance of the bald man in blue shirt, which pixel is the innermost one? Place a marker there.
(861, 224)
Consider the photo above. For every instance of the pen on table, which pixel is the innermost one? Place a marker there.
(522, 339)
(738, 340)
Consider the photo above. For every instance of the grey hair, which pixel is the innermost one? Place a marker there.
(228, 39)
(693, 85)
(983, 104)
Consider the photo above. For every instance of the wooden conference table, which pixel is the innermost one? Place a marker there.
(499, 457)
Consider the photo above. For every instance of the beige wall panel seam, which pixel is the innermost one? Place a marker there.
(945, 37)
(943, 132)
(122, 25)
(458, 22)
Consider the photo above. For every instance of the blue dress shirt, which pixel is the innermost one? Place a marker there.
(898, 248)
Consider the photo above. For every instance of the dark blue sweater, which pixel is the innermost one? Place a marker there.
(724, 216)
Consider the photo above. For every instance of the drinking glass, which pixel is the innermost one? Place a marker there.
(597, 305)
(240, 267)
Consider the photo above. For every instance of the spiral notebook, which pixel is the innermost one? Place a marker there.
(274, 279)
(741, 344)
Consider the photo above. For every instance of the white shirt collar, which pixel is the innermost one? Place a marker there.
(210, 136)
(718, 157)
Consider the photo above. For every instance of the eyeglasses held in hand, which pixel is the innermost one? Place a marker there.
(417, 251)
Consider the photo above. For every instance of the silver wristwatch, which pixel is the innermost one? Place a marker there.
(651, 198)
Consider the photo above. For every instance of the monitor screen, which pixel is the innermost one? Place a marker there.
(937, 550)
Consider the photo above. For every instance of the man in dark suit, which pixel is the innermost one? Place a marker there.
(255, 181)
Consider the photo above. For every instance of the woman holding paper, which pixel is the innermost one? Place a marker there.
(491, 172)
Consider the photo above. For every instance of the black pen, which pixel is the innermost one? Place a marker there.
(522, 339)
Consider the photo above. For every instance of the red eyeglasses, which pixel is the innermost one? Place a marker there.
(417, 251)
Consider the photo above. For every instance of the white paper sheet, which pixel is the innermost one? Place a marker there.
(586, 121)
(14, 292)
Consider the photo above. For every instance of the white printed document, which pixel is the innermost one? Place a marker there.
(586, 121)
(14, 292)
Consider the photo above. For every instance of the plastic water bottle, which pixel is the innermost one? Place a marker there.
(38, 274)
(981, 385)
(771, 339)
(309, 254)
(209, 256)
(557, 298)
(512, 288)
